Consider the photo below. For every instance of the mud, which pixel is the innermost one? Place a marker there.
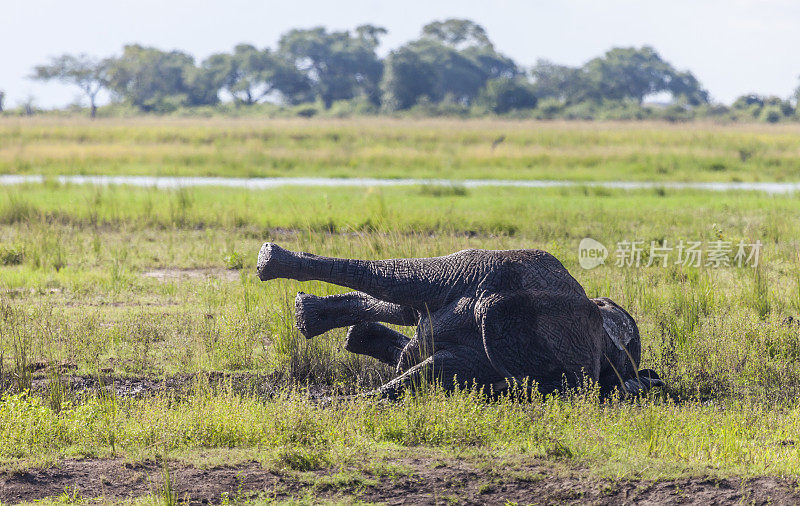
(424, 481)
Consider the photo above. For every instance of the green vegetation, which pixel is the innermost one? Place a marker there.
(125, 282)
(391, 148)
(132, 323)
(451, 69)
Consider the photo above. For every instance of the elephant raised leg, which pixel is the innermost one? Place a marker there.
(317, 315)
(455, 366)
(415, 282)
(376, 340)
(359, 311)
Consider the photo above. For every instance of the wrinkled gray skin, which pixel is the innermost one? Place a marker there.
(482, 317)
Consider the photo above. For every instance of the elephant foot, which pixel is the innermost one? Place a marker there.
(310, 316)
(267, 261)
(275, 262)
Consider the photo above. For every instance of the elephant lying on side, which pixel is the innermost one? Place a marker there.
(482, 317)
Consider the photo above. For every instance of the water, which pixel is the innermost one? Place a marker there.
(277, 182)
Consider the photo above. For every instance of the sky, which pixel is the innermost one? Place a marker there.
(733, 46)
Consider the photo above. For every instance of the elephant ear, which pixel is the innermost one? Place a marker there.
(546, 337)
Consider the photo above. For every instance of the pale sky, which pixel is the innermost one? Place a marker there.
(732, 46)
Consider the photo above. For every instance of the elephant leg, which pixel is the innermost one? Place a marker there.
(414, 352)
(419, 348)
(455, 366)
(317, 315)
(414, 282)
(376, 340)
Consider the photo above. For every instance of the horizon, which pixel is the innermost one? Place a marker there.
(712, 39)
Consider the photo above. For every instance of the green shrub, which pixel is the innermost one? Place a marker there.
(771, 114)
(11, 255)
(234, 261)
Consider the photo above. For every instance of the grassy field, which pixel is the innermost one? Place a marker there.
(134, 317)
(390, 148)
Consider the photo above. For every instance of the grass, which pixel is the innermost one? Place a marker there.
(391, 148)
(112, 279)
(116, 284)
(649, 439)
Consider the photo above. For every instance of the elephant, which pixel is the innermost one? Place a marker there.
(490, 318)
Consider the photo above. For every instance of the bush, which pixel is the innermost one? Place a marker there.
(11, 255)
(582, 110)
(504, 95)
(425, 108)
(549, 108)
(234, 261)
(676, 112)
(356, 107)
(623, 110)
(771, 114)
(306, 111)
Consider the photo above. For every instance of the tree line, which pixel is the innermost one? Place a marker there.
(451, 68)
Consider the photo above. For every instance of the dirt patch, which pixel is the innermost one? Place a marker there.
(424, 481)
(117, 479)
(173, 274)
(86, 385)
(142, 386)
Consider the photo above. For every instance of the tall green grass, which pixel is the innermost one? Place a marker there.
(390, 148)
(649, 438)
(77, 296)
(86, 252)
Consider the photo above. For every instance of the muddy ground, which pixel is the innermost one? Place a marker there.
(137, 386)
(423, 481)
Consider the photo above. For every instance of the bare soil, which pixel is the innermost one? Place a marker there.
(427, 481)
(81, 385)
(173, 274)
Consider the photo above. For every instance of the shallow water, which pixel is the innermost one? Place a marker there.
(277, 182)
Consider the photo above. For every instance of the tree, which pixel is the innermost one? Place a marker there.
(747, 101)
(371, 34)
(407, 78)
(471, 42)
(2, 98)
(784, 106)
(457, 33)
(86, 72)
(492, 64)
(770, 109)
(458, 78)
(797, 97)
(339, 66)
(628, 73)
(506, 94)
(685, 87)
(28, 105)
(559, 82)
(250, 75)
(451, 61)
(748, 105)
(428, 68)
(156, 80)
